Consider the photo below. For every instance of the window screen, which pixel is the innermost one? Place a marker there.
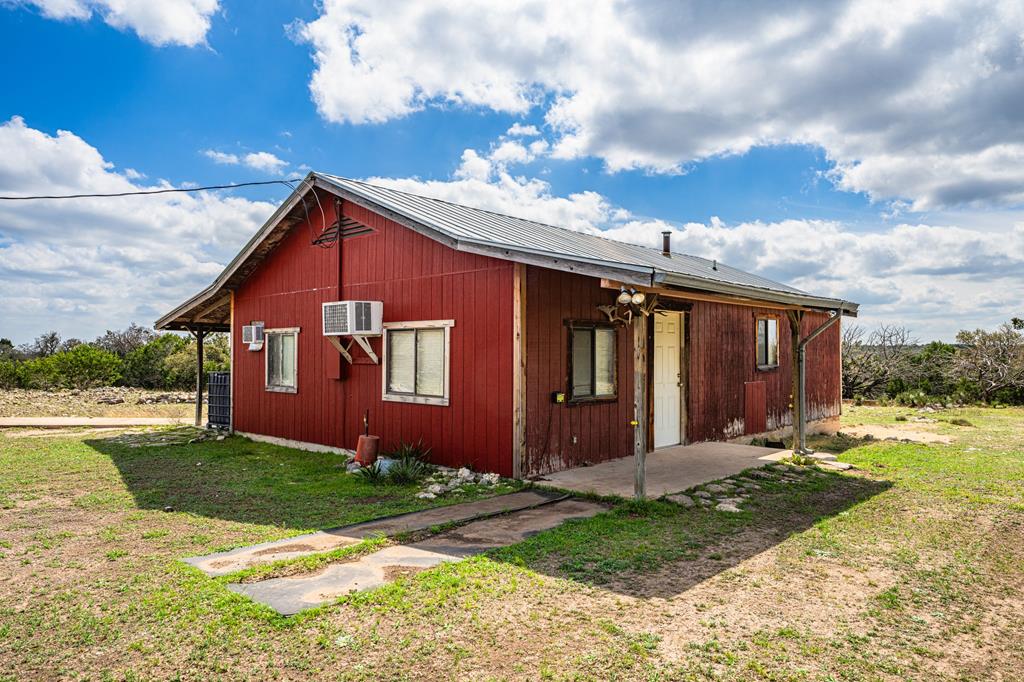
(282, 351)
(593, 357)
(767, 342)
(416, 364)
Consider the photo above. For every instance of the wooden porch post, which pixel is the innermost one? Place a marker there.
(200, 335)
(640, 406)
(795, 317)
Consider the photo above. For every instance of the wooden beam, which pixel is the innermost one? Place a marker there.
(200, 335)
(518, 369)
(231, 366)
(201, 315)
(699, 296)
(795, 317)
(640, 406)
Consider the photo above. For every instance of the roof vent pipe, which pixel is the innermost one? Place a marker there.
(666, 243)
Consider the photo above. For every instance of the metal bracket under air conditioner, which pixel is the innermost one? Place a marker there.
(344, 350)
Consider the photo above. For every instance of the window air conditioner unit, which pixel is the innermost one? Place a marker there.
(353, 318)
(252, 335)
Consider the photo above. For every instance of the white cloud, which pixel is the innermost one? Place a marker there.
(935, 278)
(264, 161)
(519, 130)
(160, 22)
(222, 157)
(918, 100)
(85, 265)
(261, 161)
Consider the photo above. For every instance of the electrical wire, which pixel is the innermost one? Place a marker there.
(155, 191)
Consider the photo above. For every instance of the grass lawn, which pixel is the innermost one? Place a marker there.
(910, 568)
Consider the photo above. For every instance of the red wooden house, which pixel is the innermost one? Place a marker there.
(507, 345)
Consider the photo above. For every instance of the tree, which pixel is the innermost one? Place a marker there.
(44, 345)
(873, 364)
(7, 350)
(993, 361)
(123, 342)
(181, 365)
(146, 367)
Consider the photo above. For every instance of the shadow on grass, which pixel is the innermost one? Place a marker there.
(658, 549)
(255, 483)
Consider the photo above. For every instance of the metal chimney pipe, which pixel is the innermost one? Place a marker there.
(666, 243)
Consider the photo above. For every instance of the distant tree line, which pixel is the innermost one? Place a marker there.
(981, 366)
(135, 356)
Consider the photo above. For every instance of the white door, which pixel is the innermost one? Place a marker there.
(668, 335)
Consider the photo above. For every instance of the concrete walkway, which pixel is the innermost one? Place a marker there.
(233, 560)
(65, 422)
(669, 470)
(292, 594)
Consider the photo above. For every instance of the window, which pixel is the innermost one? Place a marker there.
(416, 361)
(767, 343)
(282, 359)
(593, 361)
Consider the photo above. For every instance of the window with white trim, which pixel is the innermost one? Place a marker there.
(416, 361)
(282, 359)
(767, 343)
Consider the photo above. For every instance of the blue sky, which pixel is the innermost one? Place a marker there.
(841, 176)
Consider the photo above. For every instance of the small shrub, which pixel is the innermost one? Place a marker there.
(900, 418)
(86, 366)
(8, 374)
(411, 451)
(408, 470)
(913, 398)
(372, 474)
(960, 421)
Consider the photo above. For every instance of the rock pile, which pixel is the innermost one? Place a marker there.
(446, 481)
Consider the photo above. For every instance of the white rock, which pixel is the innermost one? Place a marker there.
(716, 488)
(681, 500)
(426, 496)
(702, 493)
(465, 474)
(725, 507)
(436, 489)
(490, 479)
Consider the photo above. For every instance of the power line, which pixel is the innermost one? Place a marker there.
(153, 191)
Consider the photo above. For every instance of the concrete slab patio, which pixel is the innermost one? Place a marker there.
(233, 560)
(669, 470)
(293, 594)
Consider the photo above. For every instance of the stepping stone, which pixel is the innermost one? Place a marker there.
(702, 493)
(717, 488)
(233, 560)
(824, 457)
(293, 594)
(838, 466)
(681, 500)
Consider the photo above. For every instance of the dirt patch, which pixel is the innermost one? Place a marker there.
(284, 549)
(910, 432)
(392, 573)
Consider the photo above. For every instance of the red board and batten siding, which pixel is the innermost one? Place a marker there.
(417, 279)
(601, 430)
(723, 340)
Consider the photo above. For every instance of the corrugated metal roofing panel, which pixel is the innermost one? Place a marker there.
(464, 223)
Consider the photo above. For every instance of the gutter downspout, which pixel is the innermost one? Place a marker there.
(801, 426)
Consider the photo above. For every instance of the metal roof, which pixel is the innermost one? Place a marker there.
(492, 231)
(475, 230)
